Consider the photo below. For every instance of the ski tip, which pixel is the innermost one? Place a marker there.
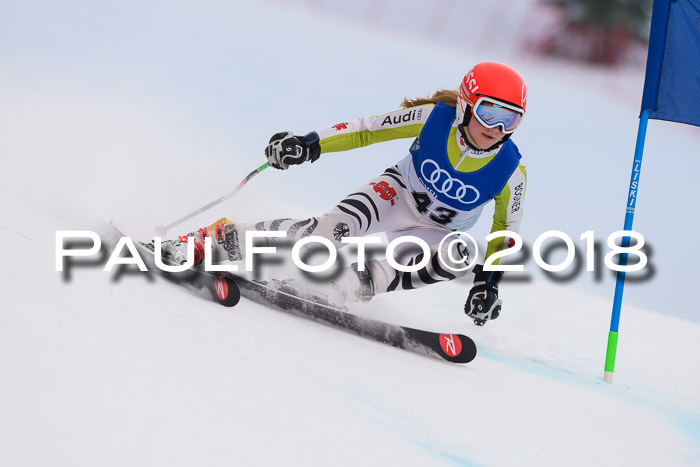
(226, 291)
(457, 348)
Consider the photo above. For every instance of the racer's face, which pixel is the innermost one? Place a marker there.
(483, 137)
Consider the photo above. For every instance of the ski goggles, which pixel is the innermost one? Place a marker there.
(491, 113)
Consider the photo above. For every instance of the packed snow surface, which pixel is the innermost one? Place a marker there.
(138, 113)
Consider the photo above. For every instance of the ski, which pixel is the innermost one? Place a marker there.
(226, 289)
(215, 287)
(218, 288)
(456, 348)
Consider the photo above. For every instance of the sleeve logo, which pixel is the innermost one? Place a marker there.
(406, 117)
(340, 126)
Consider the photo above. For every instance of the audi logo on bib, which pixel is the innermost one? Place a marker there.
(441, 181)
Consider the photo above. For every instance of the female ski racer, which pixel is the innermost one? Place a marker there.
(462, 158)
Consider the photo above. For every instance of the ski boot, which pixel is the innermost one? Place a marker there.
(224, 244)
(355, 285)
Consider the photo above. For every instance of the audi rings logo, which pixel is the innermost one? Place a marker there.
(442, 182)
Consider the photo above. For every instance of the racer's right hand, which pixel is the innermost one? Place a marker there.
(285, 149)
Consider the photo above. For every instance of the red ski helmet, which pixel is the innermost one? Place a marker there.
(490, 79)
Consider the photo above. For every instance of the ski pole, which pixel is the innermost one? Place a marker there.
(162, 229)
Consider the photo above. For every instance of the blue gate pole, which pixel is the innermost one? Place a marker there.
(629, 219)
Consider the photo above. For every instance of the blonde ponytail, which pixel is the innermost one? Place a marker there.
(446, 96)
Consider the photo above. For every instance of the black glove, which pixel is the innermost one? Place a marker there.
(285, 149)
(483, 303)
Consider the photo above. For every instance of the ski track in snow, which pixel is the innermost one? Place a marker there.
(115, 369)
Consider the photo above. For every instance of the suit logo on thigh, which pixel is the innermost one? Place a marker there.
(385, 191)
(341, 230)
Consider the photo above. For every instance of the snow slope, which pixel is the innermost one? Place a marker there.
(138, 113)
